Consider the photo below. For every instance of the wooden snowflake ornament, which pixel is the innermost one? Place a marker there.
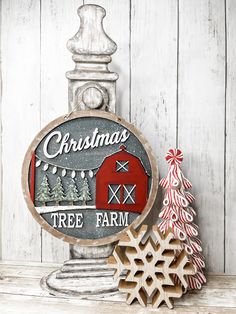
(145, 271)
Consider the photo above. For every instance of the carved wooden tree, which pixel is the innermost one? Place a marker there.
(177, 214)
(146, 271)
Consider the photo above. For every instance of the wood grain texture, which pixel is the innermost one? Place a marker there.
(22, 294)
(58, 23)
(116, 24)
(38, 270)
(0, 140)
(143, 270)
(20, 43)
(30, 305)
(153, 43)
(148, 37)
(201, 117)
(154, 73)
(34, 270)
(230, 153)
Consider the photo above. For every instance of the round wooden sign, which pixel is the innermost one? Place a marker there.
(88, 177)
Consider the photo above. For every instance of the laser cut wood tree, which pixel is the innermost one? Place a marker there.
(58, 192)
(44, 194)
(177, 214)
(72, 194)
(85, 192)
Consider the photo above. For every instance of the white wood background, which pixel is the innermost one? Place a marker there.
(177, 67)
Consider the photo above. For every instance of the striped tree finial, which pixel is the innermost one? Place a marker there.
(174, 156)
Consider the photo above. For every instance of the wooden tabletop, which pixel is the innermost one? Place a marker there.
(20, 293)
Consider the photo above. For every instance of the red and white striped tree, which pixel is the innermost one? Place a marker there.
(177, 214)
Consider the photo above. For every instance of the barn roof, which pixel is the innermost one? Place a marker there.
(123, 148)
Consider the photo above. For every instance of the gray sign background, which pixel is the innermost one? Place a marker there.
(86, 159)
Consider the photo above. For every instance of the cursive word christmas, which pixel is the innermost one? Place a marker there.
(65, 143)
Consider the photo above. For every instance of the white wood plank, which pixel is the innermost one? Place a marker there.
(12, 270)
(116, 25)
(20, 43)
(218, 295)
(22, 286)
(154, 73)
(154, 77)
(208, 299)
(230, 187)
(208, 296)
(53, 249)
(29, 264)
(0, 141)
(201, 117)
(59, 22)
(12, 304)
(222, 281)
(38, 270)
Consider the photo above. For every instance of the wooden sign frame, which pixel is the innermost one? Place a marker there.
(26, 168)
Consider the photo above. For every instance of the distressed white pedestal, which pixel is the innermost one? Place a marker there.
(91, 86)
(85, 275)
(82, 278)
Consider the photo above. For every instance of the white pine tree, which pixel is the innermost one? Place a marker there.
(72, 192)
(85, 192)
(58, 192)
(43, 194)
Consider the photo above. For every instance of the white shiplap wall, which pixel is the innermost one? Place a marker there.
(176, 61)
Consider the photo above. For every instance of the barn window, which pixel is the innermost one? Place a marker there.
(129, 193)
(122, 166)
(114, 194)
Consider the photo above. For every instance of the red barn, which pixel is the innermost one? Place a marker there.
(122, 183)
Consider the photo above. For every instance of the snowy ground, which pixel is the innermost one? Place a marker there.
(51, 209)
